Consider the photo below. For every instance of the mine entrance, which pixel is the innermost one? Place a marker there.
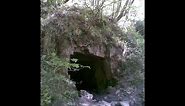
(91, 79)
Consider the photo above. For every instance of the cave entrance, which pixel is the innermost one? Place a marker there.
(93, 79)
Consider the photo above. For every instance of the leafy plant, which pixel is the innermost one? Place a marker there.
(54, 84)
(134, 59)
(139, 26)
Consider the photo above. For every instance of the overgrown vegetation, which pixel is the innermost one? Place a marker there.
(133, 66)
(80, 25)
(139, 26)
(54, 82)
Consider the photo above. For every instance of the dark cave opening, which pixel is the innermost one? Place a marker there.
(93, 79)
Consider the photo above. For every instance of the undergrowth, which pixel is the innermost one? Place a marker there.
(54, 84)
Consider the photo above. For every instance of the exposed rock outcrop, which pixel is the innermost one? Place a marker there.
(76, 31)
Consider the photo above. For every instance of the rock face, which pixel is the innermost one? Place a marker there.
(70, 32)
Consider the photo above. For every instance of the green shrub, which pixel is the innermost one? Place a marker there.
(54, 85)
(139, 27)
(133, 66)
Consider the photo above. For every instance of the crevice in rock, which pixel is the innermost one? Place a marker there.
(93, 79)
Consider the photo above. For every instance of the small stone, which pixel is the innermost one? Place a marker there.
(124, 103)
(118, 91)
(86, 94)
(105, 97)
(104, 103)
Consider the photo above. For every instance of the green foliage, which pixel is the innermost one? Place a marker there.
(74, 60)
(139, 26)
(46, 98)
(59, 63)
(48, 7)
(134, 59)
(55, 85)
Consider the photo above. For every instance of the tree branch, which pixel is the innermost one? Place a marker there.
(125, 9)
